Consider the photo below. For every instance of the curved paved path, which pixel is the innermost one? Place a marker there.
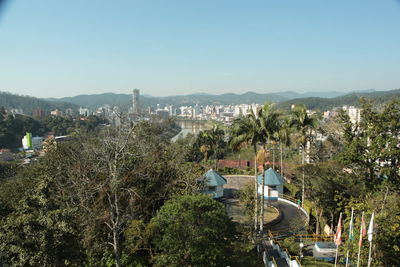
(292, 218)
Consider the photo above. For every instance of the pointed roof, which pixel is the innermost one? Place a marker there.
(213, 178)
(271, 177)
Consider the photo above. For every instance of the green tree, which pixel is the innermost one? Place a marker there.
(115, 178)
(256, 129)
(248, 130)
(305, 125)
(39, 232)
(372, 146)
(333, 142)
(283, 135)
(269, 126)
(14, 127)
(385, 203)
(8, 169)
(210, 143)
(195, 230)
(330, 189)
(215, 141)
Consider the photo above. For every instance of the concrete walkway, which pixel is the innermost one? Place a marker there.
(273, 253)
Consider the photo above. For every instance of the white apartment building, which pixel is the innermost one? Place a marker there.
(84, 111)
(354, 114)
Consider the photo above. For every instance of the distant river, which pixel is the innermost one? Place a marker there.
(193, 127)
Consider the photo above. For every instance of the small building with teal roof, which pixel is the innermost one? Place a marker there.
(214, 183)
(273, 184)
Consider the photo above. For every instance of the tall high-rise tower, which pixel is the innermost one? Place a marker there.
(135, 101)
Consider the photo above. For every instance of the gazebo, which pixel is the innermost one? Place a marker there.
(214, 183)
(273, 184)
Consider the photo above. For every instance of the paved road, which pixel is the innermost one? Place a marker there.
(292, 218)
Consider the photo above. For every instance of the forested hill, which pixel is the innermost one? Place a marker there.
(224, 99)
(28, 104)
(284, 99)
(125, 100)
(317, 100)
(353, 99)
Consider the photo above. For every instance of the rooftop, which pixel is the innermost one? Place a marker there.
(213, 178)
(271, 177)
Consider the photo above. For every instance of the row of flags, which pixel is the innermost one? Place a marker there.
(363, 229)
(363, 233)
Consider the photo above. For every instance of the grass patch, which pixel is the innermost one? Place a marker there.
(237, 213)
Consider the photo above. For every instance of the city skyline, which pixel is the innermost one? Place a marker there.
(66, 49)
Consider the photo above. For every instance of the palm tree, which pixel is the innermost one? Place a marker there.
(261, 157)
(269, 125)
(305, 125)
(204, 149)
(283, 136)
(212, 140)
(216, 137)
(247, 130)
(238, 148)
(256, 129)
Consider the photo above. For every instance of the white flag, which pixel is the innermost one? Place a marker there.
(371, 228)
(351, 236)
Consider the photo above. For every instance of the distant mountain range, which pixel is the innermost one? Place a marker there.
(352, 99)
(313, 100)
(124, 101)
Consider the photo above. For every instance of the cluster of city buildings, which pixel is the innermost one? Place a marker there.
(225, 113)
(221, 113)
(353, 112)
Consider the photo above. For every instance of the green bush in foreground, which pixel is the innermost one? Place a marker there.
(194, 230)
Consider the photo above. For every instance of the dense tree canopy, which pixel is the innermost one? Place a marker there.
(97, 183)
(14, 127)
(195, 230)
(28, 104)
(39, 232)
(372, 147)
(126, 196)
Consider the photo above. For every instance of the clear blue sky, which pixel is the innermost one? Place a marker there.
(51, 48)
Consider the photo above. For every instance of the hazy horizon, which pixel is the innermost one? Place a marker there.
(164, 48)
(144, 93)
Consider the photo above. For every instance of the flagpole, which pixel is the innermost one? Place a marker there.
(338, 239)
(360, 241)
(369, 255)
(350, 237)
(358, 258)
(370, 234)
(337, 248)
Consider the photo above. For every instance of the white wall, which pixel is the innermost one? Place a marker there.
(274, 193)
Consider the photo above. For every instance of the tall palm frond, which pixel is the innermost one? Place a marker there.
(304, 124)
